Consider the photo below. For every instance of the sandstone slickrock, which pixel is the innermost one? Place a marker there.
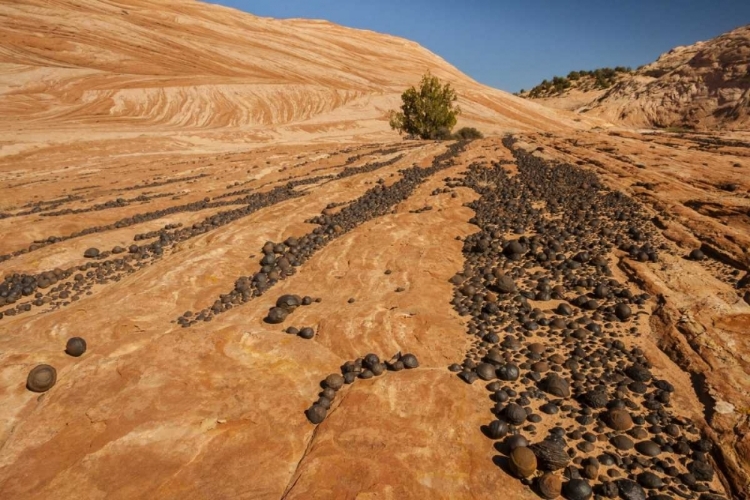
(248, 201)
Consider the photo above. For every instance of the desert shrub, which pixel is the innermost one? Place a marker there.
(468, 134)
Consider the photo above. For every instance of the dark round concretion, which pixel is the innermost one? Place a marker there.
(564, 309)
(497, 429)
(316, 413)
(577, 489)
(276, 315)
(556, 385)
(649, 480)
(371, 360)
(289, 302)
(622, 311)
(648, 448)
(697, 254)
(618, 419)
(514, 247)
(396, 366)
(549, 409)
(509, 372)
(75, 346)
(468, 376)
(701, 470)
(514, 414)
(630, 490)
(550, 454)
(596, 398)
(549, 486)
(306, 333)
(91, 253)
(703, 445)
(334, 381)
(622, 443)
(505, 284)
(515, 441)
(41, 378)
(409, 361)
(485, 371)
(638, 373)
(378, 369)
(522, 462)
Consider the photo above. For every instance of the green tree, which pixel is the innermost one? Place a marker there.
(427, 113)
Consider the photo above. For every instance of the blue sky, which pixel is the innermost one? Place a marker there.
(516, 44)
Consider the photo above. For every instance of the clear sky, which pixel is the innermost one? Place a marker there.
(514, 44)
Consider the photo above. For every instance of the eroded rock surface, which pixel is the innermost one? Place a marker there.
(567, 294)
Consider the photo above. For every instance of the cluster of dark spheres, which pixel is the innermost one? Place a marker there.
(126, 222)
(290, 185)
(41, 378)
(363, 368)
(280, 259)
(60, 287)
(552, 338)
(306, 332)
(116, 203)
(446, 190)
(285, 305)
(37, 207)
(156, 234)
(18, 286)
(369, 167)
(158, 183)
(696, 254)
(104, 269)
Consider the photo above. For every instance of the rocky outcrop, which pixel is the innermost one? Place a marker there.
(701, 86)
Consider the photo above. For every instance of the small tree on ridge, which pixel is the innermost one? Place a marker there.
(427, 113)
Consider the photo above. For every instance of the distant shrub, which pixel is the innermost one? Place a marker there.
(601, 78)
(468, 134)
